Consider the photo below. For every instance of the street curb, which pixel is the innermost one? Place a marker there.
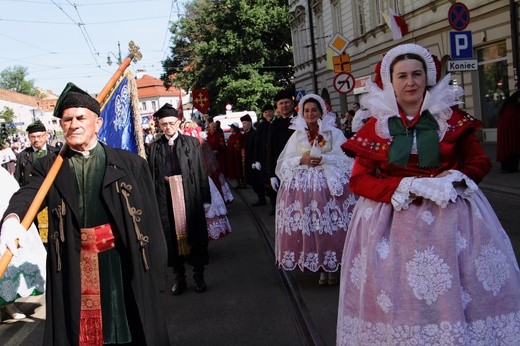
(500, 189)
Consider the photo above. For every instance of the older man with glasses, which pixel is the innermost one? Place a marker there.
(183, 195)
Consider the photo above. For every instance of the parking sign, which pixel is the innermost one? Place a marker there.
(461, 44)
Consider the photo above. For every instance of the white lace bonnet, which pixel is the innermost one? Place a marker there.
(298, 123)
(382, 103)
(408, 48)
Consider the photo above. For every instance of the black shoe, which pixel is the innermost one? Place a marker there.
(259, 203)
(179, 287)
(200, 286)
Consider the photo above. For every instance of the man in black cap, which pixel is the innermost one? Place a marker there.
(37, 134)
(278, 136)
(252, 168)
(183, 194)
(106, 246)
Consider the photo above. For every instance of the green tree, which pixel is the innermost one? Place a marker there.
(6, 117)
(238, 49)
(14, 78)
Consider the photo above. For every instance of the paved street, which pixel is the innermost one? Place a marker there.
(248, 300)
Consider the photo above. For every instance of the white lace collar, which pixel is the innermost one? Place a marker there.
(438, 100)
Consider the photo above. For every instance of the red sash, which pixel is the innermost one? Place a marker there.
(93, 241)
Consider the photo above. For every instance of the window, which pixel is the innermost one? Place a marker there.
(337, 26)
(143, 106)
(359, 17)
(301, 51)
(493, 81)
(154, 106)
(376, 11)
(396, 6)
(319, 32)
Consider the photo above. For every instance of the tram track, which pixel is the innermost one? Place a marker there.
(308, 326)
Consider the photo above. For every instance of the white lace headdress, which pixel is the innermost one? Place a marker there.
(441, 96)
(327, 120)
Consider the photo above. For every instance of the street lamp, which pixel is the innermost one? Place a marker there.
(119, 60)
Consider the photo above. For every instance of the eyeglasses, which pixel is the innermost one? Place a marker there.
(172, 123)
(36, 137)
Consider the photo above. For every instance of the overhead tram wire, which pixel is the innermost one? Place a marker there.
(163, 46)
(83, 30)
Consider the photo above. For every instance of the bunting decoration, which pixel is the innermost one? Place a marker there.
(121, 117)
(396, 23)
(201, 99)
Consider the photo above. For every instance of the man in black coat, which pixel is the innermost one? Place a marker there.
(183, 195)
(37, 134)
(106, 247)
(278, 134)
(252, 169)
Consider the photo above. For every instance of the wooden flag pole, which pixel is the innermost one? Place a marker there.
(134, 55)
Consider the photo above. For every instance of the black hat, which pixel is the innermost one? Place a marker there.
(36, 126)
(166, 111)
(74, 97)
(246, 117)
(284, 94)
(267, 107)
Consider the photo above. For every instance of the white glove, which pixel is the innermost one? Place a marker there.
(206, 207)
(253, 166)
(258, 166)
(12, 230)
(438, 190)
(275, 184)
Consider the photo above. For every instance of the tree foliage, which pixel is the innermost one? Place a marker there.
(7, 115)
(14, 78)
(240, 50)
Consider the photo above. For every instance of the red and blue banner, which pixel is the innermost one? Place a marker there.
(120, 128)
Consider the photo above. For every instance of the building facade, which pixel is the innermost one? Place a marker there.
(363, 24)
(27, 109)
(153, 95)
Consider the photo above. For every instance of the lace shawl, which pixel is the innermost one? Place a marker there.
(336, 165)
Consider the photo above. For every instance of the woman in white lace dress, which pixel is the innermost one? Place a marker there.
(25, 275)
(314, 202)
(426, 261)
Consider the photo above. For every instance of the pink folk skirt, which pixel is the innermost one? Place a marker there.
(428, 276)
(311, 224)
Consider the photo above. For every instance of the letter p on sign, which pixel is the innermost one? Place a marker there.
(461, 44)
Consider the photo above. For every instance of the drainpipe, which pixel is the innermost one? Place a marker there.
(514, 40)
(313, 48)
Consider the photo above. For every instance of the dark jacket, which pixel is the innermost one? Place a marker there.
(196, 190)
(127, 194)
(279, 134)
(253, 176)
(24, 163)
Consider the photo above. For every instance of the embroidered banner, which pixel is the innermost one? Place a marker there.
(121, 118)
(201, 99)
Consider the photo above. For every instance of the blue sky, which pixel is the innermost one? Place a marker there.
(62, 41)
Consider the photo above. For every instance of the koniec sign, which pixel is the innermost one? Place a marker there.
(462, 65)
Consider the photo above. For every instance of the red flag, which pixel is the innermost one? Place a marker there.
(179, 108)
(201, 99)
(396, 23)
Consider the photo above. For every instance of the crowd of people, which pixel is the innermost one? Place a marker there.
(383, 201)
